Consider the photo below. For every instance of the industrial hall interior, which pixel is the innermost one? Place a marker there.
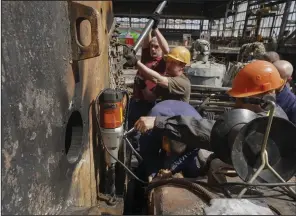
(137, 107)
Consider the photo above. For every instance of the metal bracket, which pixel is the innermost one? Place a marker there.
(80, 11)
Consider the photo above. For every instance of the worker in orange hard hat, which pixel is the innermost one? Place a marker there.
(258, 79)
(173, 85)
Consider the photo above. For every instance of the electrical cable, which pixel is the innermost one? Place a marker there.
(134, 150)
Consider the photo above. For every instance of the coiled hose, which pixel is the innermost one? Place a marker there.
(191, 186)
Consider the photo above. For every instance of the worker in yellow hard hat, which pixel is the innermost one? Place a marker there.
(173, 85)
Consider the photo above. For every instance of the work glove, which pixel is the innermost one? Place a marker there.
(130, 57)
(140, 82)
(156, 17)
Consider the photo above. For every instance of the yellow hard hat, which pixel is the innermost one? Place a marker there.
(180, 53)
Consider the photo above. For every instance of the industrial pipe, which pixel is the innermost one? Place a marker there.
(209, 88)
(148, 26)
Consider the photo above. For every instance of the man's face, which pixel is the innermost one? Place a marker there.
(174, 68)
(241, 104)
(155, 50)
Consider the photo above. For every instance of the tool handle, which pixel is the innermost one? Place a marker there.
(129, 132)
(148, 26)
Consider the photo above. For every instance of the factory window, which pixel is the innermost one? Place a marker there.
(161, 23)
(135, 22)
(143, 22)
(178, 22)
(188, 24)
(291, 22)
(270, 26)
(123, 21)
(196, 24)
(182, 24)
(214, 34)
(220, 27)
(170, 23)
(205, 24)
(242, 7)
(214, 28)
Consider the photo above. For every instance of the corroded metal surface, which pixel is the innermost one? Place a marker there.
(115, 57)
(172, 200)
(41, 87)
(80, 31)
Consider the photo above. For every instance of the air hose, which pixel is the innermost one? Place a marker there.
(180, 182)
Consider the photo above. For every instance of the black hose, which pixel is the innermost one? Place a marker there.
(191, 186)
(134, 150)
(274, 209)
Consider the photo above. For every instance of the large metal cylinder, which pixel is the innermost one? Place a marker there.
(49, 150)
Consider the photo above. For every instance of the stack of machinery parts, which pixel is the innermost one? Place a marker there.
(210, 101)
(232, 69)
(251, 50)
(247, 53)
(202, 71)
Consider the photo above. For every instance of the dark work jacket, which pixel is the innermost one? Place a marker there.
(287, 101)
(186, 129)
(195, 133)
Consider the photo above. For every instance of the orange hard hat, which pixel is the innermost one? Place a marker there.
(255, 78)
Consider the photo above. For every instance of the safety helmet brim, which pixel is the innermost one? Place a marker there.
(165, 57)
(237, 94)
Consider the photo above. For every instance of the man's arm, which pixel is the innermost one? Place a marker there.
(146, 41)
(153, 75)
(187, 129)
(162, 41)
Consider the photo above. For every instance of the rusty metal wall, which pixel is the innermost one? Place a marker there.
(42, 85)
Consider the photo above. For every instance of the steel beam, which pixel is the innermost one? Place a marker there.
(289, 36)
(285, 19)
(161, 16)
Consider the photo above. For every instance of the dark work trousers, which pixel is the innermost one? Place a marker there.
(137, 109)
(186, 163)
(155, 159)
